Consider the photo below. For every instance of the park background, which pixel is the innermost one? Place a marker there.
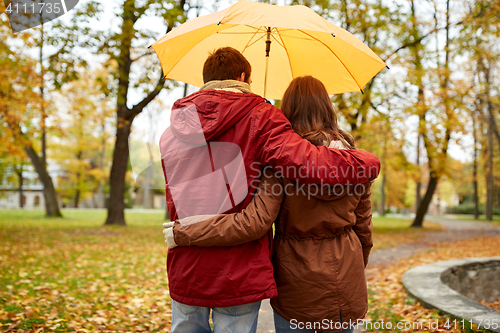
(83, 104)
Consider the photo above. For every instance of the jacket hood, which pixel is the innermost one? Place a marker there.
(206, 114)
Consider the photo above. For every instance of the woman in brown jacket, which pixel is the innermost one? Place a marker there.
(323, 235)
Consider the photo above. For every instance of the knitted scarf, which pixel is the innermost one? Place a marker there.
(228, 85)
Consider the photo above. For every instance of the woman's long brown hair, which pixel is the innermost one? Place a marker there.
(309, 109)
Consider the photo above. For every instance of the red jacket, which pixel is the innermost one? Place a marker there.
(212, 157)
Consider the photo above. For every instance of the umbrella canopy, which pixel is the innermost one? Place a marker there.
(301, 43)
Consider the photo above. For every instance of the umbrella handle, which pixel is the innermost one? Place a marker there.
(268, 49)
(268, 42)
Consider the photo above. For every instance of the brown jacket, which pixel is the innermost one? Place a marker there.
(323, 237)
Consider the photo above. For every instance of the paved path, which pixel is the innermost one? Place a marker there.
(266, 321)
(453, 231)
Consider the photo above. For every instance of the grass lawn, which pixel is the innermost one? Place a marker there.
(390, 232)
(72, 274)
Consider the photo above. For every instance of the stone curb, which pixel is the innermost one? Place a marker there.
(425, 284)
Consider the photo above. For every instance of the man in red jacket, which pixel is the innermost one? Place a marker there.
(219, 140)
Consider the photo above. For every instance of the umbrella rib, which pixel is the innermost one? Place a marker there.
(286, 50)
(237, 33)
(304, 38)
(276, 39)
(248, 44)
(347, 69)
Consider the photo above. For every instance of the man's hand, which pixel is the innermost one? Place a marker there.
(168, 232)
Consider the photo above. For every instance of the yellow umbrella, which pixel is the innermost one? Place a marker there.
(280, 42)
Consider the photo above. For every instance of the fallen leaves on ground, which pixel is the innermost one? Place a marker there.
(389, 302)
(494, 305)
(73, 275)
(81, 278)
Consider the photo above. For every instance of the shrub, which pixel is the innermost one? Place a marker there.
(468, 208)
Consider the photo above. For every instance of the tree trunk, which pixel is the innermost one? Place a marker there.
(77, 198)
(146, 187)
(494, 126)
(383, 166)
(382, 200)
(49, 193)
(116, 206)
(419, 181)
(476, 195)
(491, 130)
(20, 175)
(498, 196)
(46, 193)
(148, 190)
(435, 165)
(125, 116)
(421, 107)
(78, 176)
(426, 201)
(100, 189)
(489, 181)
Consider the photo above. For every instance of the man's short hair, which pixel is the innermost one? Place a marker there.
(226, 63)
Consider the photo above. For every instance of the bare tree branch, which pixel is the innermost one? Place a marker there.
(419, 40)
(136, 109)
(147, 53)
